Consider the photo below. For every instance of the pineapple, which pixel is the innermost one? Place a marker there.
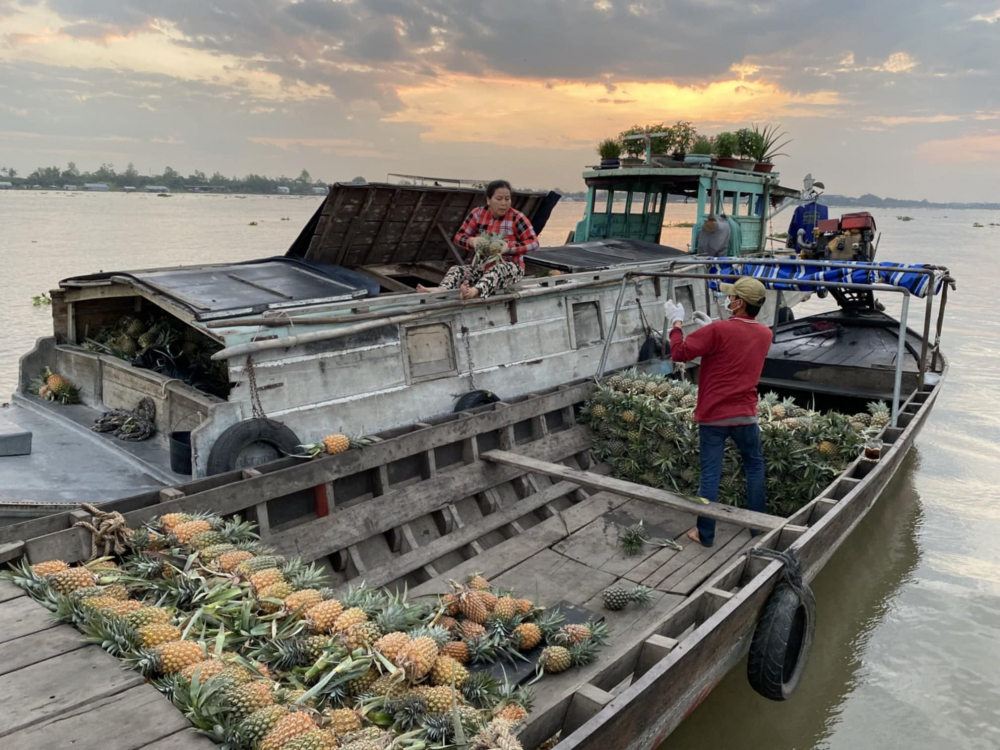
(524, 606)
(353, 616)
(302, 600)
(157, 634)
(555, 659)
(360, 635)
(277, 591)
(470, 630)
(70, 579)
(172, 657)
(629, 417)
(448, 671)
(49, 568)
(126, 345)
(598, 411)
(57, 384)
(146, 340)
(204, 669)
(526, 636)
(512, 713)
(114, 591)
(448, 623)
(314, 739)
(265, 578)
(678, 392)
(260, 722)
(285, 729)
(615, 447)
(205, 539)
(478, 583)
(880, 414)
(321, 617)
(862, 417)
(332, 445)
(210, 553)
(244, 699)
(392, 645)
(828, 449)
(778, 412)
(389, 685)
(450, 602)
(439, 698)
(186, 531)
(473, 605)
(667, 432)
(257, 564)
(633, 436)
(363, 684)
(228, 562)
(172, 520)
(689, 402)
(418, 658)
(615, 598)
(343, 721)
(148, 616)
(457, 650)
(575, 633)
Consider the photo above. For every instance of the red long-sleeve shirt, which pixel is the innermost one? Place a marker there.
(514, 225)
(732, 358)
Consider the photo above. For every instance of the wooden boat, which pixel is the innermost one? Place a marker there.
(511, 490)
(332, 336)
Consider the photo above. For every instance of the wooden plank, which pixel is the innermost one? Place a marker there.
(12, 550)
(23, 616)
(351, 525)
(548, 577)
(718, 511)
(183, 740)
(127, 721)
(686, 579)
(465, 535)
(74, 544)
(585, 704)
(36, 647)
(655, 647)
(690, 557)
(57, 686)
(10, 591)
(501, 558)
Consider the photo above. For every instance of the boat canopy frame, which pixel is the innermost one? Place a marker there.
(925, 346)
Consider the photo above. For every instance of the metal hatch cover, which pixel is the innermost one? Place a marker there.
(221, 291)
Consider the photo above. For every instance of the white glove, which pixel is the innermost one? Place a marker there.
(701, 319)
(476, 241)
(674, 312)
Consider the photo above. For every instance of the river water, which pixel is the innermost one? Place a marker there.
(907, 653)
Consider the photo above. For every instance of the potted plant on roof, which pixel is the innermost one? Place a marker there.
(701, 151)
(748, 145)
(725, 150)
(610, 151)
(634, 149)
(683, 138)
(766, 147)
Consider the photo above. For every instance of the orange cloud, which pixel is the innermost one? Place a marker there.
(570, 115)
(971, 149)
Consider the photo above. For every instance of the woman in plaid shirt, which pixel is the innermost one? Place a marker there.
(496, 217)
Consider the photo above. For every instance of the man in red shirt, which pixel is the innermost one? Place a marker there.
(732, 358)
(490, 271)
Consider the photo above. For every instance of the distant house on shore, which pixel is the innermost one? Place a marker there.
(128, 189)
(156, 189)
(96, 187)
(6, 186)
(321, 190)
(69, 187)
(282, 190)
(207, 188)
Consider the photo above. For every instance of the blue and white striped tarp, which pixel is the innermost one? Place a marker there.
(797, 278)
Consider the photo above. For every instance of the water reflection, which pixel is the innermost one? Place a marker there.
(854, 592)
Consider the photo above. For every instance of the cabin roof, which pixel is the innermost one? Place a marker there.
(684, 180)
(380, 223)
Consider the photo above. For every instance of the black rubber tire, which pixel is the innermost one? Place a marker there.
(785, 315)
(227, 450)
(780, 646)
(472, 399)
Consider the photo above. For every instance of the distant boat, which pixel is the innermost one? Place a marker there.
(96, 187)
(156, 189)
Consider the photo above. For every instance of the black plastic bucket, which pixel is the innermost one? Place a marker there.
(180, 452)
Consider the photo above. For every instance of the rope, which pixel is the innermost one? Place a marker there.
(108, 533)
(499, 735)
(791, 573)
(258, 410)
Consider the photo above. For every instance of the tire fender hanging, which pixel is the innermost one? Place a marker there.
(472, 399)
(784, 633)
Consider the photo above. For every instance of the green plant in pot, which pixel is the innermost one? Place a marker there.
(701, 151)
(766, 147)
(748, 145)
(684, 136)
(633, 149)
(726, 146)
(610, 151)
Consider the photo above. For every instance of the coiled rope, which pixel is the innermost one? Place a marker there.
(791, 572)
(108, 534)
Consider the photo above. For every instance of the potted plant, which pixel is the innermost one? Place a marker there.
(661, 145)
(634, 150)
(766, 147)
(726, 146)
(701, 151)
(610, 150)
(683, 138)
(748, 144)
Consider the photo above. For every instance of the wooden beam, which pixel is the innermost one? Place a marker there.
(585, 704)
(451, 245)
(728, 513)
(654, 648)
(387, 281)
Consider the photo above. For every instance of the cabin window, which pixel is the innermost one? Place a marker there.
(638, 204)
(601, 201)
(429, 352)
(587, 327)
(619, 201)
(654, 200)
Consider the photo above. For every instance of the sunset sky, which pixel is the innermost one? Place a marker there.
(895, 97)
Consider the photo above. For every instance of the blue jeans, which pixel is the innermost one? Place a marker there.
(713, 447)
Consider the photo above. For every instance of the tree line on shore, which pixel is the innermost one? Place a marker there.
(46, 177)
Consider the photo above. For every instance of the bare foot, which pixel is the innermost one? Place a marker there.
(469, 292)
(693, 535)
(422, 288)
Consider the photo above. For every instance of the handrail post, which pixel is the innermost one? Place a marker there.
(611, 329)
(897, 384)
(925, 338)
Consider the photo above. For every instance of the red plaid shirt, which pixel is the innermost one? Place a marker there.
(521, 237)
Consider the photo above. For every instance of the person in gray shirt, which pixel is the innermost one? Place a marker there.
(713, 237)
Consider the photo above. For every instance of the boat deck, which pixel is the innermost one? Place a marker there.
(58, 692)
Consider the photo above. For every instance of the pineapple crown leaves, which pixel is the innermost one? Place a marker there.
(600, 633)
(520, 695)
(112, 634)
(409, 713)
(632, 538)
(550, 620)
(641, 594)
(438, 728)
(482, 650)
(370, 601)
(22, 576)
(436, 633)
(481, 689)
(301, 576)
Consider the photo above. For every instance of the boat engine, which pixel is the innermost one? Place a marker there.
(851, 237)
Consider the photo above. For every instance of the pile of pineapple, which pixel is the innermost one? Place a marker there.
(644, 429)
(260, 655)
